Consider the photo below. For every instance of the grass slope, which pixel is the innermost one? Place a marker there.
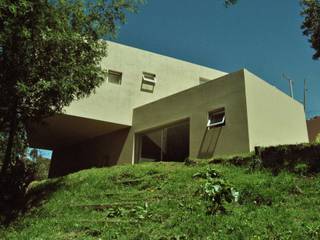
(159, 201)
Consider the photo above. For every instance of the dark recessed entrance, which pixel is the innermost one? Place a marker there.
(170, 143)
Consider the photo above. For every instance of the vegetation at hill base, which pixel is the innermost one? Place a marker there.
(171, 201)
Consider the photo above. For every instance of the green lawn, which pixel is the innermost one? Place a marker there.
(160, 201)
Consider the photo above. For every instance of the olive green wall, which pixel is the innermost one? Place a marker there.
(115, 103)
(194, 104)
(273, 117)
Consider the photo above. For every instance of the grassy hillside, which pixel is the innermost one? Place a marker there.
(162, 201)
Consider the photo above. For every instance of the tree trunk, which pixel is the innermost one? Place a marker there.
(12, 134)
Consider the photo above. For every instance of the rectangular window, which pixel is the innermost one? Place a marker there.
(216, 118)
(114, 77)
(149, 78)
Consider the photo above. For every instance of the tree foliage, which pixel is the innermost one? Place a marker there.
(311, 24)
(50, 53)
(230, 2)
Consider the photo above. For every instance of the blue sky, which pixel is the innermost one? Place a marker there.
(262, 36)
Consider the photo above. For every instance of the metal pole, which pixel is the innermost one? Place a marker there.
(291, 88)
(305, 95)
(290, 84)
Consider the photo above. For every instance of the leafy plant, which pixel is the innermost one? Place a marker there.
(301, 169)
(217, 191)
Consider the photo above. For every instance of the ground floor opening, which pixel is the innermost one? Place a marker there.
(169, 143)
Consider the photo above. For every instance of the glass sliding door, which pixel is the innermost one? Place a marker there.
(170, 143)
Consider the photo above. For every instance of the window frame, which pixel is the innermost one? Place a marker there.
(221, 123)
(115, 73)
(149, 77)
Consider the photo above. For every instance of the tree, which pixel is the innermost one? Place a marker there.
(50, 53)
(311, 24)
(230, 2)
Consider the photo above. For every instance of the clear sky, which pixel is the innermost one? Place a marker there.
(262, 36)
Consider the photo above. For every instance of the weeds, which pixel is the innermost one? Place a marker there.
(216, 191)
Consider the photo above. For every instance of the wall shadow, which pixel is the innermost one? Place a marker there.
(147, 87)
(209, 143)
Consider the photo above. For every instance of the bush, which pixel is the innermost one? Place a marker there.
(294, 158)
(216, 191)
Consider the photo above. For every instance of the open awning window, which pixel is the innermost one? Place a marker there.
(114, 77)
(216, 118)
(149, 78)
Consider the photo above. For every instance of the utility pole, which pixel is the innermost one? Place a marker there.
(290, 84)
(305, 90)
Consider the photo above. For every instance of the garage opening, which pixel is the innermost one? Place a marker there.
(170, 143)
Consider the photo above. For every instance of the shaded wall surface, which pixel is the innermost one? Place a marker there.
(96, 152)
(313, 128)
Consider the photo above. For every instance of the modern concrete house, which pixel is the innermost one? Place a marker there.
(156, 108)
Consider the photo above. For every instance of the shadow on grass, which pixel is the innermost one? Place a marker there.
(17, 202)
(40, 193)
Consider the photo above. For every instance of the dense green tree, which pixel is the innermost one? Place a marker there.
(50, 53)
(311, 24)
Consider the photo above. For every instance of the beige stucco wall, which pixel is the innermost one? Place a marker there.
(274, 118)
(194, 104)
(115, 103)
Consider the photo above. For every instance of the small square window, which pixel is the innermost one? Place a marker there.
(149, 78)
(114, 77)
(216, 118)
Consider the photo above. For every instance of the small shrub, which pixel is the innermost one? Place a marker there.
(216, 191)
(301, 169)
(255, 164)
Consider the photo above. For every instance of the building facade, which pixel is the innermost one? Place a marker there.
(156, 108)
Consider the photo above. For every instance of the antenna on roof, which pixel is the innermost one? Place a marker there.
(290, 84)
(305, 90)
